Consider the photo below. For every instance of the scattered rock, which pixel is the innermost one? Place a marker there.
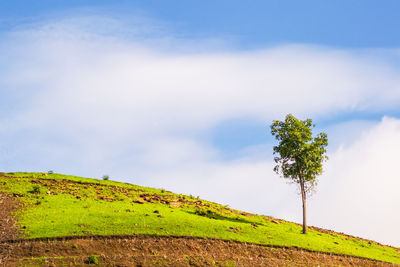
(156, 211)
(139, 201)
(233, 230)
(160, 216)
(175, 204)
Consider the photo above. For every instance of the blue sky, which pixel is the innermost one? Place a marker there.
(353, 24)
(180, 95)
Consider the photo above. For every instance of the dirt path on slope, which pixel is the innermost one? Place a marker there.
(163, 251)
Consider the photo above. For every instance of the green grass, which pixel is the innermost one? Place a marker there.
(81, 206)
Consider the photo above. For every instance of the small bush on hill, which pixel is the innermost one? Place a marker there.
(35, 189)
(106, 177)
(206, 213)
(93, 259)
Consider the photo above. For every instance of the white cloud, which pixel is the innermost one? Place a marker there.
(359, 192)
(92, 102)
(107, 83)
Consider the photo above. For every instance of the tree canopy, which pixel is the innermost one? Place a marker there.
(299, 154)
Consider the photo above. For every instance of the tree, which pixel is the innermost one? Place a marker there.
(300, 155)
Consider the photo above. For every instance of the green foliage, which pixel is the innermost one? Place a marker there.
(93, 259)
(106, 177)
(50, 172)
(41, 260)
(35, 190)
(230, 263)
(300, 155)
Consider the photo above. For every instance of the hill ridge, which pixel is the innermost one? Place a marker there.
(155, 216)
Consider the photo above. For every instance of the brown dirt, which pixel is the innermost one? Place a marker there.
(163, 251)
(8, 226)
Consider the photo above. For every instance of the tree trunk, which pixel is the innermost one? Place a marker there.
(303, 197)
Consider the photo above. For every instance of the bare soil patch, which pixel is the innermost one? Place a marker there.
(8, 226)
(163, 251)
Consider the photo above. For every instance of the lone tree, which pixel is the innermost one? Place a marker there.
(300, 155)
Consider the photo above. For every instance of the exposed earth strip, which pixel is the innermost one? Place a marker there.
(143, 250)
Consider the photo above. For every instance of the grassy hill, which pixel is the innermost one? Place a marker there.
(56, 205)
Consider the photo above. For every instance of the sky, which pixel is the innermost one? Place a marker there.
(180, 95)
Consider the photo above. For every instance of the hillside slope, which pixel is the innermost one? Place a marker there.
(56, 205)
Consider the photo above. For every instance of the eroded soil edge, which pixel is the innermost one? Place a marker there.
(8, 225)
(164, 251)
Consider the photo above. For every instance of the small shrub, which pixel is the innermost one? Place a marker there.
(35, 189)
(200, 212)
(74, 246)
(93, 259)
(106, 177)
(230, 263)
(187, 257)
(41, 260)
(206, 213)
(162, 190)
(50, 172)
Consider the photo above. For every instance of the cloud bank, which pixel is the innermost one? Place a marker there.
(138, 106)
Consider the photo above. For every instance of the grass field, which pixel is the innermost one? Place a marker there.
(63, 205)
